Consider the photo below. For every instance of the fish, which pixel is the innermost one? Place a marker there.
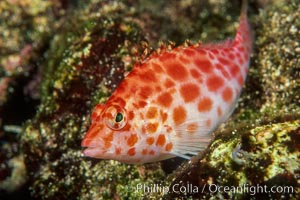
(171, 102)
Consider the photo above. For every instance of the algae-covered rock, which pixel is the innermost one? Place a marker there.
(277, 58)
(260, 163)
(24, 27)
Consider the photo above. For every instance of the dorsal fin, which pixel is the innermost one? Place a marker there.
(244, 34)
(244, 9)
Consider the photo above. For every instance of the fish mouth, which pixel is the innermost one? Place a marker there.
(94, 152)
(99, 153)
(94, 148)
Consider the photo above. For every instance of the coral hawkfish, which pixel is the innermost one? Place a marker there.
(171, 102)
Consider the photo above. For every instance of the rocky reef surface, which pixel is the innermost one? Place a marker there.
(58, 59)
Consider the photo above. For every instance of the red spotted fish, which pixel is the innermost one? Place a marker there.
(171, 102)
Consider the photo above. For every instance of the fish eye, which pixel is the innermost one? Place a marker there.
(119, 117)
(115, 117)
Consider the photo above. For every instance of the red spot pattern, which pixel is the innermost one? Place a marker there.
(205, 104)
(145, 92)
(152, 113)
(151, 127)
(189, 92)
(241, 49)
(215, 51)
(184, 60)
(142, 104)
(169, 83)
(176, 71)
(148, 76)
(158, 89)
(234, 70)
(157, 68)
(150, 140)
(179, 115)
(223, 71)
(97, 111)
(108, 139)
(118, 150)
(195, 74)
(161, 140)
(94, 130)
(144, 152)
(224, 61)
(164, 116)
(130, 115)
(227, 94)
(132, 140)
(120, 102)
(240, 79)
(190, 52)
(169, 147)
(165, 99)
(167, 56)
(131, 151)
(151, 152)
(202, 52)
(204, 65)
(126, 127)
(214, 83)
(211, 56)
(231, 56)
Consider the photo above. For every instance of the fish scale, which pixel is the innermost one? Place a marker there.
(170, 103)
